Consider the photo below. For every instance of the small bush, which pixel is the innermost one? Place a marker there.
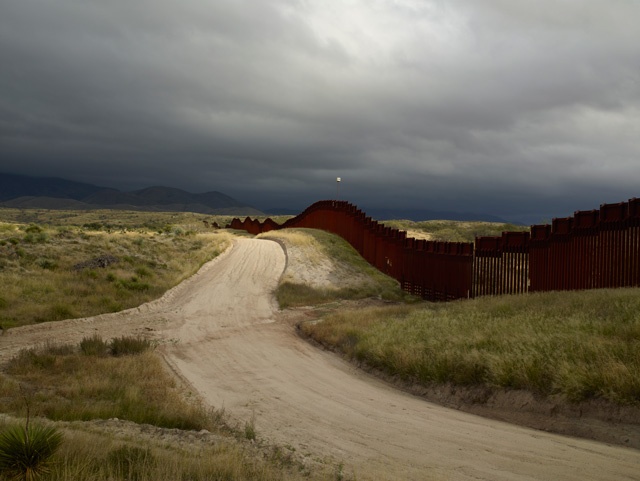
(250, 429)
(47, 264)
(58, 312)
(94, 346)
(123, 346)
(143, 272)
(26, 452)
(133, 284)
(33, 229)
(93, 226)
(39, 238)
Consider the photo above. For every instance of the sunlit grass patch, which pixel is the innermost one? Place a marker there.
(581, 345)
(67, 274)
(316, 252)
(452, 230)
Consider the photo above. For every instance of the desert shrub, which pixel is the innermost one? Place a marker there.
(33, 229)
(94, 346)
(47, 264)
(26, 452)
(36, 238)
(143, 272)
(58, 312)
(58, 349)
(123, 346)
(93, 226)
(133, 284)
(250, 429)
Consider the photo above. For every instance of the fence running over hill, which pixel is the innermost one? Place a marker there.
(591, 249)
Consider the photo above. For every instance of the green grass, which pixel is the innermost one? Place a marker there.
(59, 276)
(581, 345)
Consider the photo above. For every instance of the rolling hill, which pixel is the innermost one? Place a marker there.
(26, 192)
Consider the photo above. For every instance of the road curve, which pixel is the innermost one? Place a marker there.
(230, 346)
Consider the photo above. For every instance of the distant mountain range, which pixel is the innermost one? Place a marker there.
(25, 192)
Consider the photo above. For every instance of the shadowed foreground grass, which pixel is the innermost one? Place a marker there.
(62, 383)
(582, 345)
(95, 382)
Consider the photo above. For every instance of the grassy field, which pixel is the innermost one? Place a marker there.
(452, 230)
(56, 265)
(582, 345)
(69, 383)
(52, 272)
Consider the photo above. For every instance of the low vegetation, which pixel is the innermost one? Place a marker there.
(26, 451)
(350, 276)
(90, 456)
(91, 381)
(123, 379)
(581, 345)
(50, 273)
(452, 230)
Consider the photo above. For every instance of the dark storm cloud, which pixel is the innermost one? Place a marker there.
(521, 109)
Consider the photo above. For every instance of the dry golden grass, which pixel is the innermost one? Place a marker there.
(39, 281)
(61, 383)
(452, 230)
(581, 345)
(318, 255)
(93, 453)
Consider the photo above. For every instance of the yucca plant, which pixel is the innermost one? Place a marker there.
(26, 451)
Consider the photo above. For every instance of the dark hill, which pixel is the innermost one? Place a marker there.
(13, 186)
(53, 193)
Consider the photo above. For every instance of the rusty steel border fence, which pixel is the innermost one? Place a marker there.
(591, 249)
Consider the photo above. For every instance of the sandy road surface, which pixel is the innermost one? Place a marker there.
(223, 335)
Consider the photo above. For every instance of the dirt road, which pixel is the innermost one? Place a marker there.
(222, 334)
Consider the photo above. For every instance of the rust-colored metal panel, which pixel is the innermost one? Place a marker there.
(598, 248)
(614, 212)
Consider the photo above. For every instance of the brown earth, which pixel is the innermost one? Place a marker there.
(221, 332)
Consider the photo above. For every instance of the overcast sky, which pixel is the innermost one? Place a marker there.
(522, 109)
